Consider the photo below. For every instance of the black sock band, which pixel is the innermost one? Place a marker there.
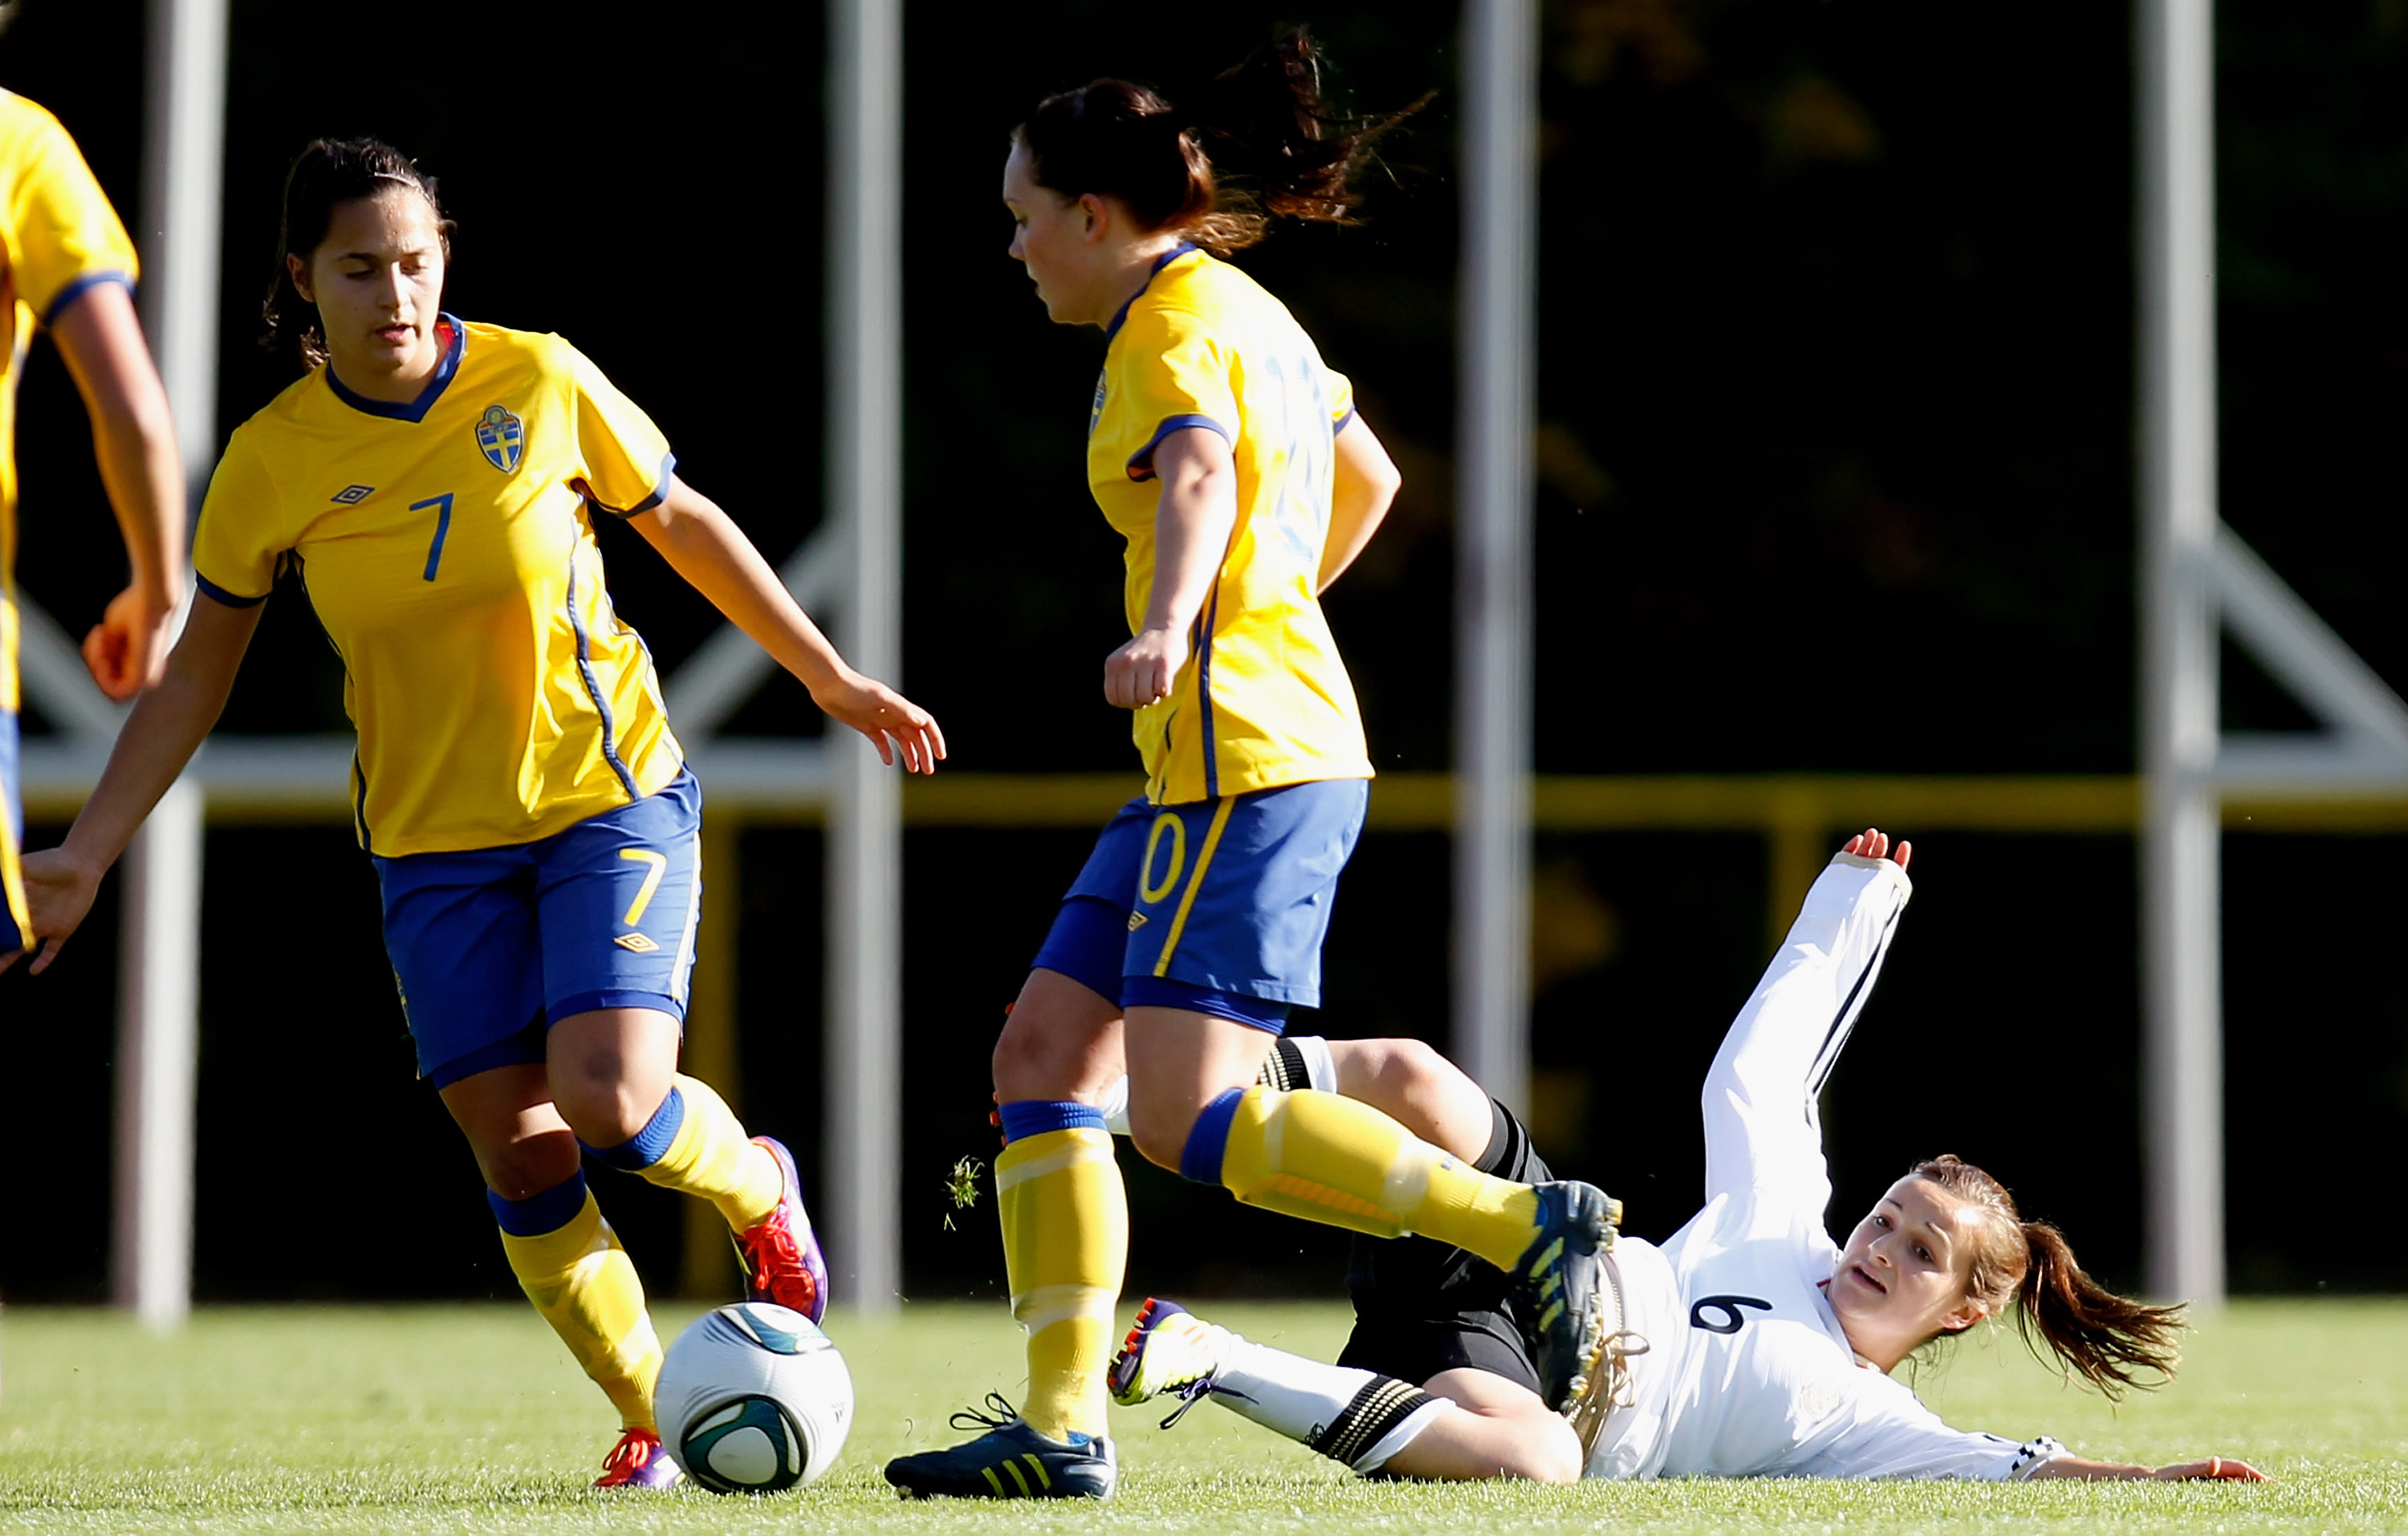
(1506, 1139)
(1284, 1068)
(1383, 1404)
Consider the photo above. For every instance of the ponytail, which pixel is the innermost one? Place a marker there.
(329, 172)
(1293, 154)
(2108, 1340)
(2105, 1337)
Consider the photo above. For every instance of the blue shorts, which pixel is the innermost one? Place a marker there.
(12, 834)
(1219, 906)
(492, 946)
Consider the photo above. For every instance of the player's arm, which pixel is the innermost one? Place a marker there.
(1192, 523)
(1759, 1094)
(160, 736)
(1365, 485)
(2219, 1469)
(704, 546)
(134, 438)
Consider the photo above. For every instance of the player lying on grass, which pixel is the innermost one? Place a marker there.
(1750, 1344)
(532, 823)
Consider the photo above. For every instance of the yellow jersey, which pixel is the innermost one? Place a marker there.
(1264, 699)
(447, 548)
(61, 237)
(58, 238)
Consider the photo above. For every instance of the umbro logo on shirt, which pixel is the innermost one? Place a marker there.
(352, 495)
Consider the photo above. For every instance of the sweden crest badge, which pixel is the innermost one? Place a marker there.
(503, 437)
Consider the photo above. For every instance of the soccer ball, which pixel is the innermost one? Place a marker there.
(754, 1398)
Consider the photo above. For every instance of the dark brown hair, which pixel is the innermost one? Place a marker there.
(1271, 128)
(331, 171)
(2108, 1340)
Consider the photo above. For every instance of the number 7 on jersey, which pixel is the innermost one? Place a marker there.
(442, 505)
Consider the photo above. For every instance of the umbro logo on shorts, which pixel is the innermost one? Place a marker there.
(352, 495)
(635, 943)
(1137, 921)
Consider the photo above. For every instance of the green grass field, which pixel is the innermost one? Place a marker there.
(471, 1419)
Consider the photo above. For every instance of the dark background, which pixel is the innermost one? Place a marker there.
(1836, 465)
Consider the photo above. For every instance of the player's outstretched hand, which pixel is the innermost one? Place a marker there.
(128, 650)
(893, 723)
(58, 893)
(1874, 843)
(2215, 1469)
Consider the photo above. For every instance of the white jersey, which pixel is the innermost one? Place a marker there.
(1748, 1372)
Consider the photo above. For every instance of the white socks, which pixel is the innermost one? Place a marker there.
(1358, 1417)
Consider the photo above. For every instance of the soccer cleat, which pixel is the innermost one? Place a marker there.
(779, 1266)
(638, 1461)
(1010, 1461)
(1171, 1350)
(1558, 1282)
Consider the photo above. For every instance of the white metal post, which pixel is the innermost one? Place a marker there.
(863, 1168)
(158, 1049)
(1495, 316)
(159, 952)
(2180, 864)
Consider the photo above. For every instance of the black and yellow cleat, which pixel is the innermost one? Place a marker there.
(1559, 1282)
(1010, 1461)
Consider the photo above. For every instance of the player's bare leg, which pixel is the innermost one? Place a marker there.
(1179, 1062)
(1414, 1084)
(1497, 1429)
(1462, 1425)
(564, 1253)
(613, 1073)
(1062, 1041)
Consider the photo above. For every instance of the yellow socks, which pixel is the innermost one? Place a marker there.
(1065, 1244)
(570, 1265)
(1332, 1160)
(695, 1144)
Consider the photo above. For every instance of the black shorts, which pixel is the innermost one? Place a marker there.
(1421, 1307)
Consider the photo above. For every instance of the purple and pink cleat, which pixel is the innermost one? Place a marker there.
(782, 1262)
(638, 1461)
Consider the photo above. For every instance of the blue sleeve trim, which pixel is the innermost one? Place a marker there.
(1208, 1139)
(1339, 424)
(82, 286)
(660, 493)
(1025, 1117)
(539, 1215)
(221, 594)
(1140, 464)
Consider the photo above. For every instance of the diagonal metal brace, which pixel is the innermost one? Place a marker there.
(2365, 739)
(724, 670)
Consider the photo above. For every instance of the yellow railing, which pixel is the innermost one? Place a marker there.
(1799, 814)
